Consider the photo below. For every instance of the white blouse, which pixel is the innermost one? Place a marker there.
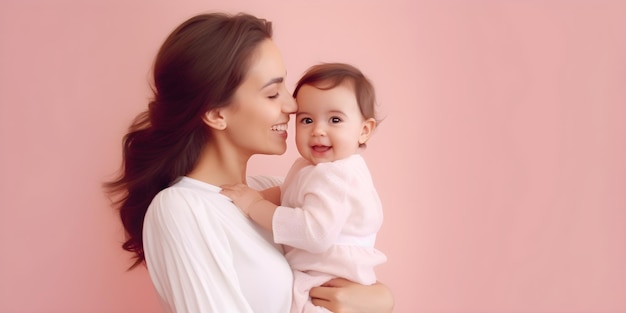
(204, 255)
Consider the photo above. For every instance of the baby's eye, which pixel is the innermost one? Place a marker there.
(306, 120)
(335, 120)
(274, 96)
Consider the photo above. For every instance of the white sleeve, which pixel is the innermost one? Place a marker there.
(317, 223)
(189, 258)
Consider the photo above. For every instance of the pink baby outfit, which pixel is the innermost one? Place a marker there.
(328, 220)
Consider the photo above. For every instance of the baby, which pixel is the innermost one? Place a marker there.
(327, 212)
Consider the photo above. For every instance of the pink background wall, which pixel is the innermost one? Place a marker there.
(500, 162)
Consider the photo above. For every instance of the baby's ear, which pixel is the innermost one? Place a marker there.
(214, 119)
(367, 127)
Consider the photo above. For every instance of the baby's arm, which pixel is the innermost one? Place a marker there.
(272, 194)
(252, 202)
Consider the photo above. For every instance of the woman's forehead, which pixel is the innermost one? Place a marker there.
(266, 66)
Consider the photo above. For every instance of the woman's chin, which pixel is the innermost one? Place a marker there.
(276, 150)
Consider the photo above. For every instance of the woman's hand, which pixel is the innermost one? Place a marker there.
(343, 296)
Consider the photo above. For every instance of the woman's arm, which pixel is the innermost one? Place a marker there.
(188, 276)
(343, 296)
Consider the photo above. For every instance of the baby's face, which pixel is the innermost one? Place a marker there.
(329, 123)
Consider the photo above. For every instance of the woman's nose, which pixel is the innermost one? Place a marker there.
(289, 105)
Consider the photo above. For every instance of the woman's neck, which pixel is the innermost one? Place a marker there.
(218, 166)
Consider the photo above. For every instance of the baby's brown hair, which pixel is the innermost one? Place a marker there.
(326, 76)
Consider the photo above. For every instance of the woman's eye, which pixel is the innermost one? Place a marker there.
(274, 96)
(335, 120)
(306, 120)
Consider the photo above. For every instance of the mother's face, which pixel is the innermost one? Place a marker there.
(256, 119)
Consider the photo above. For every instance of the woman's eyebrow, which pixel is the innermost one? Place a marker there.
(276, 80)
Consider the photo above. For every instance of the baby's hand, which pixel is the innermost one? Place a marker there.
(243, 196)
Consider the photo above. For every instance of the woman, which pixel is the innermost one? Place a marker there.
(219, 98)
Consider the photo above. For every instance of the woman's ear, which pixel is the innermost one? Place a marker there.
(214, 119)
(367, 128)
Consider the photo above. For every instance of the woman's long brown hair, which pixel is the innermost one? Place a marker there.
(198, 68)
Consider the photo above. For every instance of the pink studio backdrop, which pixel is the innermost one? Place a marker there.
(500, 162)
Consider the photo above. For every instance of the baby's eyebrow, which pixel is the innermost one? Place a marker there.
(337, 112)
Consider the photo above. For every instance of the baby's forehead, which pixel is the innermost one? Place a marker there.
(327, 90)
(332, 82)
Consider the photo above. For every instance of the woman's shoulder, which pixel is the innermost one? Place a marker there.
(185, 188)
(187, 195)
